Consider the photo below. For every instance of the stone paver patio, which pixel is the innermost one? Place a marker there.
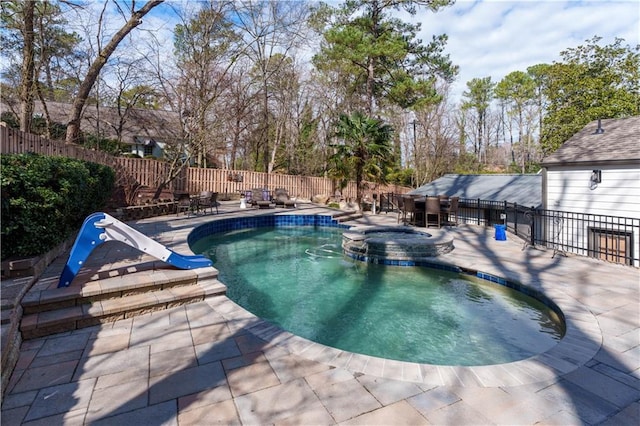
(212, 362)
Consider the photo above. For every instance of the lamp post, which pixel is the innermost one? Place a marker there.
(415, 155)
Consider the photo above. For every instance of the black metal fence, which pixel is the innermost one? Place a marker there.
(611, 238)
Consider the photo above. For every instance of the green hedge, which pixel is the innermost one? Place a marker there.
(45, 200)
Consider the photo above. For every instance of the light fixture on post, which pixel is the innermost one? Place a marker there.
(413, 122)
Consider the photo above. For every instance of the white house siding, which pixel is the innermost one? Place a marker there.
(569, 189)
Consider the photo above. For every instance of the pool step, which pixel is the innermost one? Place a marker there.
(105, 300)
(347, 216)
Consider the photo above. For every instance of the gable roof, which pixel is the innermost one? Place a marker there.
(619, 143)
(525, 190)
(139, 125)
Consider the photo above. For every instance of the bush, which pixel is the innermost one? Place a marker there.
(402, 177)
(45, 200)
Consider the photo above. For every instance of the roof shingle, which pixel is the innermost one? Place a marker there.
(620, 143)
(524, 190)
(138, 124)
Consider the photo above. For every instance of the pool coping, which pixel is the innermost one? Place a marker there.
(581, 342)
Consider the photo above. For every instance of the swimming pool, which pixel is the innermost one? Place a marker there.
(297, 278)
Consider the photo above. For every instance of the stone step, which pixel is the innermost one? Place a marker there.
(348, 217)
(107, 299)
(341, 213)
(89, 313)
(113, 288)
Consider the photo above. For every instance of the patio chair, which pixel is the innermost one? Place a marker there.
(208, 199)
(281, 198)
(185, 204)
(260, 198)
(451, 209)
(413, 215)
(432, 209)
(388, 203)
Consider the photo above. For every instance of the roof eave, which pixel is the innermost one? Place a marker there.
(621, 162)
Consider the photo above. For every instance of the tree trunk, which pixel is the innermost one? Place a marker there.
(28, 66)
(47, 116)
(265, 122)
(376, 9)
(370, 83)
(73, 125)
(276, 143)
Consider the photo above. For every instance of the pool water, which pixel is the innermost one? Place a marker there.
(297, 278)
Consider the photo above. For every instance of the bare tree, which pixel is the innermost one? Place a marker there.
(435, 139)
(133, 21)
(130, 89)
(271, 30)
(236, 111)
(206, 48)
(303, 152)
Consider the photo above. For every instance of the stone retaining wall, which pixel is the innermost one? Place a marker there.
(17, 278)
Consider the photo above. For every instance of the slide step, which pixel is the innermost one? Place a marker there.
(86, 314)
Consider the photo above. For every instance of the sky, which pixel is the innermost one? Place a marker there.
(495, 37)
(486, 37)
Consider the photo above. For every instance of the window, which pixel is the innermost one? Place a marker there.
(613, 246)
(148, 150)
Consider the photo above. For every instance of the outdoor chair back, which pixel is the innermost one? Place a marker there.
(184, 203)
(452, 209)
(433, 212)
(208, 199)
(411, 212)
(281, 198)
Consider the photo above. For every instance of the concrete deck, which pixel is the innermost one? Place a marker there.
(214, 363)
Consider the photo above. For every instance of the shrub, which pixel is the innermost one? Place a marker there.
(45, 200)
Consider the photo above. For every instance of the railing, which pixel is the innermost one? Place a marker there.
(611, 238)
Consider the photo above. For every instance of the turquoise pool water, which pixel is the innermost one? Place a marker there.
(297, 278)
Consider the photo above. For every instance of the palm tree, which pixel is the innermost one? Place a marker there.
(363, 152)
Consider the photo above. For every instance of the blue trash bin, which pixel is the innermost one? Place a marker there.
(501, 232)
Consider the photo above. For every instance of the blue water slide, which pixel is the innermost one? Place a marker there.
(99, 228)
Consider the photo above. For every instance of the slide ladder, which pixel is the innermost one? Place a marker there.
(99, 228)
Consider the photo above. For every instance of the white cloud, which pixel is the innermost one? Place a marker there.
(494, 38)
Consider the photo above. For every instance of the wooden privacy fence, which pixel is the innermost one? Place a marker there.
(13, 141)
(132, 173)
(235, 181)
